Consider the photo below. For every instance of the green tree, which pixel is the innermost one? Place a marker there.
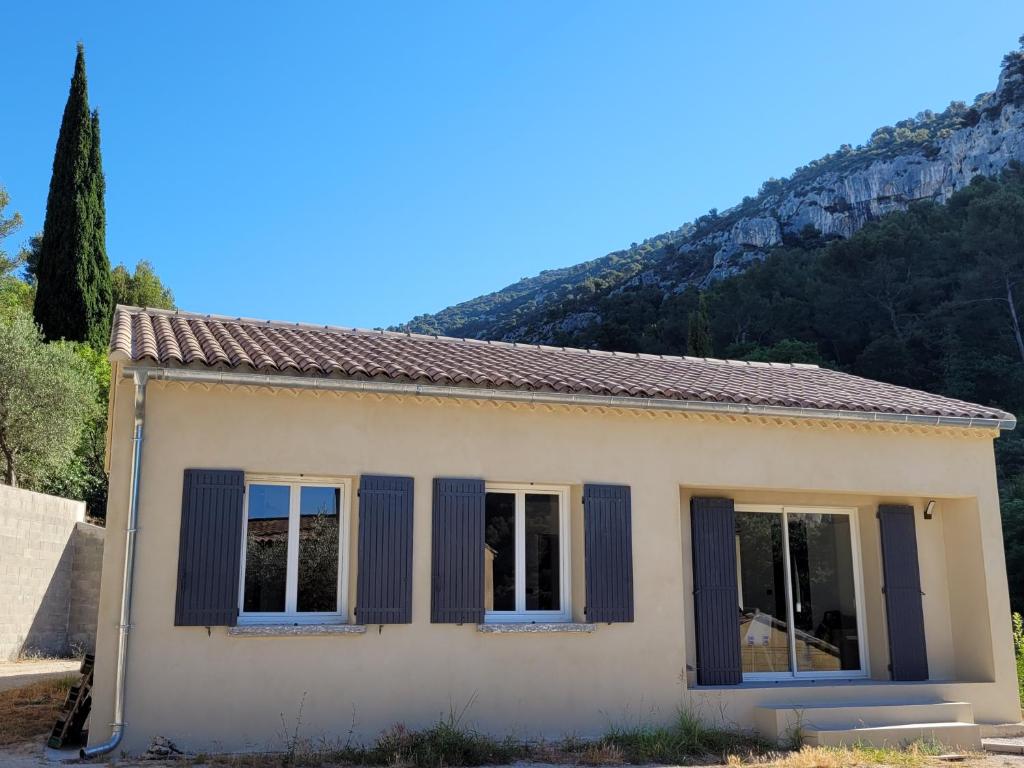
(74, 299)
(698, 336)
(785, 351)
(84, 476)
(47, 395)
(994, 232)
(8, 226)
(141, 289)
(13, 291)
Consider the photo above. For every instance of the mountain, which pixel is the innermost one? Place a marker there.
(925, 158)
(900, 260)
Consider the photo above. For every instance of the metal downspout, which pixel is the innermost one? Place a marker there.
(117, 727)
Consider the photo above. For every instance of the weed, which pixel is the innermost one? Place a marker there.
(447, 743)
(31, 653)
(1018, 652)
(685, 741)
(601, 754)
(291, 738)
(795, 734)
(686, 737)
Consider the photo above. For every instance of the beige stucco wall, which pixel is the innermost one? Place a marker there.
(207, 690)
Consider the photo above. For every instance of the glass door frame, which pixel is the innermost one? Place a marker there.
(858, 589)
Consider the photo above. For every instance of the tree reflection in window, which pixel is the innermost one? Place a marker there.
(266, 549)
(318, 549)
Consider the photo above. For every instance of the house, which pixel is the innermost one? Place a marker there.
(381, 527)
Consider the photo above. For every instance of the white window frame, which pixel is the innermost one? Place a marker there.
(291, 615)
(858, 589)
(521, 615)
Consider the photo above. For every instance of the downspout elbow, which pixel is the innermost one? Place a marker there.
(116, 734)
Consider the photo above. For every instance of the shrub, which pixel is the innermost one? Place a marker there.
(446, 743)
(686, 737)
(1018, 651)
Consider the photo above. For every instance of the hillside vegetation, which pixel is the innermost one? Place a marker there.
(928, 157)
(928, 298)
(900, 260)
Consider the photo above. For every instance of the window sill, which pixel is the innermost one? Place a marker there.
(528, 628)
(295, 630)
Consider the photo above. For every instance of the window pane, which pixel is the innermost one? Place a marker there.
(318, 549)
(266, 548)
(543, 591)
(824, 598)
(764, 638)
(500, 552)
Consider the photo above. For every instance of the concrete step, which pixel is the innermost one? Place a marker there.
(780, 722)
(1002, 731)
(1003, 745)
(964, 736)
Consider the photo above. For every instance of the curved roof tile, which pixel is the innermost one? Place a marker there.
(204, 341)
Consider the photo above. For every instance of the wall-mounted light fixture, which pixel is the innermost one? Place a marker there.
(929, 510)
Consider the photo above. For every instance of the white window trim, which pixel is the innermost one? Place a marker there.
(521, 615)
(858, 589)
(290, 615)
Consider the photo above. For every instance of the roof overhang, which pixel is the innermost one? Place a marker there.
(539, 397)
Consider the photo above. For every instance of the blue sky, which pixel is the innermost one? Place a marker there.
(361, 164)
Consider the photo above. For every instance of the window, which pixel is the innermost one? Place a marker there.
(293, 563)
(526, 556)
(798, 573)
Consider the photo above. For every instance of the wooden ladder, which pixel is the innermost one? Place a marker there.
(69, 728)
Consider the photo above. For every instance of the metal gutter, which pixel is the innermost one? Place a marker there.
(140, 377)
(559, 398)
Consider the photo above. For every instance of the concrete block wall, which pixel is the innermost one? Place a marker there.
(49, 574)
(86, 567)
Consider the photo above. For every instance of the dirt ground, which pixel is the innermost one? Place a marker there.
(34, 755)
(16, 674)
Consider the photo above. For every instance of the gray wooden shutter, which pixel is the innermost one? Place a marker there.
(608, 545)
(715, 592)
(457, 552)
(908, 656)
(384, 579)
(209, 548)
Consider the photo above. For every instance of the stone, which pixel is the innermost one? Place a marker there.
(161, 748)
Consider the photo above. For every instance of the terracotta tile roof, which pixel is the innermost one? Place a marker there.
(181, 339)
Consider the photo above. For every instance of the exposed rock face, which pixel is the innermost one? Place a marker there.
(928, 158)
(762, 232)
(840, 203)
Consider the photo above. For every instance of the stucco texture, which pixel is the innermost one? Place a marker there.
(208, 690)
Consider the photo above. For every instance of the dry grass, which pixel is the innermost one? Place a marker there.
(29, 712)
(686, 742)
(913, 756)
(74, 653)
(917, 755)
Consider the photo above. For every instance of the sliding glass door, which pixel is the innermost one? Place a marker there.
(799, 592)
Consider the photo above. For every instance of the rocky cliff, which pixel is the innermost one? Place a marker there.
(927, 157)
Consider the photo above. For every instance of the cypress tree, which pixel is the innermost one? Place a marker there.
(698, 334)
(74, 297)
